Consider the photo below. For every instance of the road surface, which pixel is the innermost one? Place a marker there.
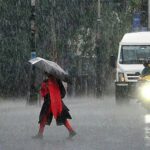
(100, 125)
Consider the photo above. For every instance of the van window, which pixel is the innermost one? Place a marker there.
(134, 54)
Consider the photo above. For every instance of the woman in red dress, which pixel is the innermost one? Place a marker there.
(53, 91)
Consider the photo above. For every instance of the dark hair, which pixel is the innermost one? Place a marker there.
(47, 74)
(145, 63)
(50, 76)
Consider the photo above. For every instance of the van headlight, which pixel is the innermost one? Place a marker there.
(145, 92)
(121, 77)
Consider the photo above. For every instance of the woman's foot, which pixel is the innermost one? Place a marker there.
(72, 134)
(38, 136)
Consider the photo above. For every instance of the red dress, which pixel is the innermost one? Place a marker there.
(53, 91)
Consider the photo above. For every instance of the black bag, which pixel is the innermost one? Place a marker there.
(62, 89)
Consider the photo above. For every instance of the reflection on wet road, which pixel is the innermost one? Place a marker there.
(147, 130)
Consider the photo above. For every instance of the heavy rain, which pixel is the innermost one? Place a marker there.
(92, 57)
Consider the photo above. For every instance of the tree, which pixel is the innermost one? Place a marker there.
(58, 22)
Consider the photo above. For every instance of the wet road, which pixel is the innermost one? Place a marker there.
(100, 125)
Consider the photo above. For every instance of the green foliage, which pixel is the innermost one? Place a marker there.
(63, 28)
(135, 4)
(14, 47)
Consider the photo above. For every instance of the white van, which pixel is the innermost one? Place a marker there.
(134, 48)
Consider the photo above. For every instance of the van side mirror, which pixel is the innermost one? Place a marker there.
(112, 61)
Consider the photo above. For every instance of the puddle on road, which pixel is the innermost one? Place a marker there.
(147, 130)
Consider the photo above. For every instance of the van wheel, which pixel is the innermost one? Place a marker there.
(121, 95)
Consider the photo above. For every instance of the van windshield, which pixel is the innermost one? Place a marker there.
(134, 54)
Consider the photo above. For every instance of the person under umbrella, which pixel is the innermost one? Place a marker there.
(53, 91)
(146, 70)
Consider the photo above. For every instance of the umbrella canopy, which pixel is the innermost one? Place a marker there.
(50, 67)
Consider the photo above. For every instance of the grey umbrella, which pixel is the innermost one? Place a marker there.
(50, 67)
